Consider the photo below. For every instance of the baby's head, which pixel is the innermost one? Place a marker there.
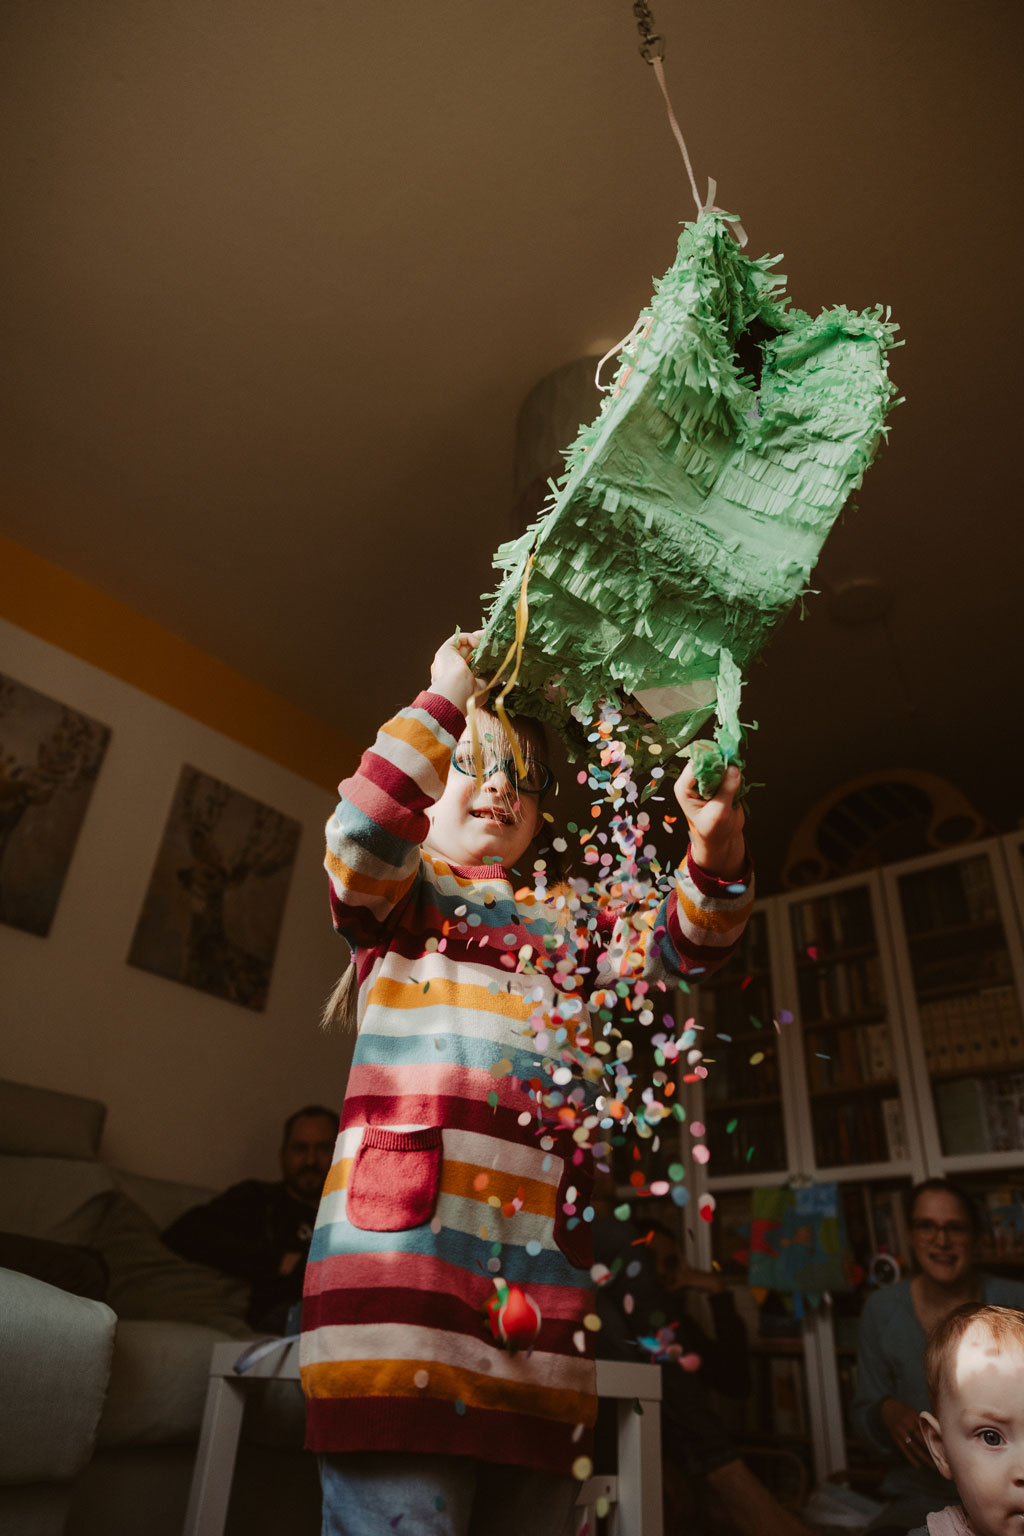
(496, 823)
(974, 1363)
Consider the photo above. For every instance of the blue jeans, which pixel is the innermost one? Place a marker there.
(378, 1493)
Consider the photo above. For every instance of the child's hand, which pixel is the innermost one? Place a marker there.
(716, 825)
(450, 672)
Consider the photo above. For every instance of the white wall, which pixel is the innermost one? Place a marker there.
(196, 1088)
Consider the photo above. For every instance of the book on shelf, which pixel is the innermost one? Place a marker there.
(861, 1130)
(981, 1114)
(878, 1047)
(833, 922)
(890, 1223)
(950, 896)
(1004, 1210)
(895, 1133)
(975, 1029)
(849, 1058)
(841, 989)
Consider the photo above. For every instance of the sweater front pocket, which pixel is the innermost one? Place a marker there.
(395, 1179)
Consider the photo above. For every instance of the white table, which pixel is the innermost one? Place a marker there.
(634, 1495)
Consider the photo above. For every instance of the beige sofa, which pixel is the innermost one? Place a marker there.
(136, 1375)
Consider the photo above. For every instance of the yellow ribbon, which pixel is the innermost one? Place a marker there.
(516, 650)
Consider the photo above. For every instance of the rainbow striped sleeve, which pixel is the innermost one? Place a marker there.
(699, 924)
(693, 932)
(374, 836)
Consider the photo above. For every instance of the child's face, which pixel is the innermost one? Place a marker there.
(493, 824)
(978, 1437)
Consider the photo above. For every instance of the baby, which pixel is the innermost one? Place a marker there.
(974, 1363)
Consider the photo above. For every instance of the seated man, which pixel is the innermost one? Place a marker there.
(261, 1232)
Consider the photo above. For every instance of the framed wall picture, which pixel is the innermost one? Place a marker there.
(50, 756)
(213, 910)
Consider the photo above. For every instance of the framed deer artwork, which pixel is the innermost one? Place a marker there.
(212, 913)
(50, 756)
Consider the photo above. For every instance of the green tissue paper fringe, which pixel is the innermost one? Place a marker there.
(693, 509)
(708, 766)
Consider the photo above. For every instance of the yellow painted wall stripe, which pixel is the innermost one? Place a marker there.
(69, 613)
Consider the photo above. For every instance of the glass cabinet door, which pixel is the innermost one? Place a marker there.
(742, 1097)
(967, 1003)
(849, 1048)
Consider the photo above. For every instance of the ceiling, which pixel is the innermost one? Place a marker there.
(278, 275)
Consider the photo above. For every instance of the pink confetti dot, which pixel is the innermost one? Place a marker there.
(701, 1155)
(696, 1128)
(690, 1362)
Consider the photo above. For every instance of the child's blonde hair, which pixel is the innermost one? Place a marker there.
(1004, 1325)
(339, 1010)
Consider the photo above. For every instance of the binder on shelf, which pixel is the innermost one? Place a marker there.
(942, 1037)
(895, 1134)
(961, 1112)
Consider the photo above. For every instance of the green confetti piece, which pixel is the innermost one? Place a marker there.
(731, 1126)
(622, 1213)
(492, 1099)
(676, 1171)
(750, 1153)
(460, 1406)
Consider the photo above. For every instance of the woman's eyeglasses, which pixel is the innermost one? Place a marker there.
(534, 781)
(956, 1231)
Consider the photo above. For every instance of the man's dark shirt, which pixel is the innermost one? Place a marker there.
(246, 1232)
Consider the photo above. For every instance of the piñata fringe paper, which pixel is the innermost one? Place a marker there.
(693, 509)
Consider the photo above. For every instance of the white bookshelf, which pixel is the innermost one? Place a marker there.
(902, 927)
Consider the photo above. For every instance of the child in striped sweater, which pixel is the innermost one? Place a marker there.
(459, 1161)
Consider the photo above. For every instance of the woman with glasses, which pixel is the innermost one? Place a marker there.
(897, 1319)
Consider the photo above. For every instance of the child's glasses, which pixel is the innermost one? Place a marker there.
(534, 781)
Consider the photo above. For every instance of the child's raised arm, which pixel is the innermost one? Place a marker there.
(374, 836)
(700, 922)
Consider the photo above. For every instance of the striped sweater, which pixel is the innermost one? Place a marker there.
(443, 1176)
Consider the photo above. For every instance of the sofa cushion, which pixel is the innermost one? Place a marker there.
(161, 1199)
(40, 1122)
(58, 1198)
(56, 1361)
(69, 1266)
(149, 1282)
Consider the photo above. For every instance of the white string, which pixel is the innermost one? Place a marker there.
(619, 346)
(660, 73)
